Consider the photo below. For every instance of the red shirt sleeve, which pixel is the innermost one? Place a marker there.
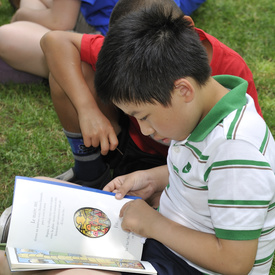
(90, 46)
(227, 61)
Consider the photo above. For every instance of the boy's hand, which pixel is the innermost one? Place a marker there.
(138, 217)
(134, 184)
(97, 131)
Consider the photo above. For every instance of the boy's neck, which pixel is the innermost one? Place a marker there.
(213, 93)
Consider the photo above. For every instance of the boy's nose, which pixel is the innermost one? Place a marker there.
(145, 128)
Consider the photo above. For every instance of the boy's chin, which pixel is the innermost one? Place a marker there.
(164, 141)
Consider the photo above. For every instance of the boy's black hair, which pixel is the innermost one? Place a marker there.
(144, 53)
(124, 7)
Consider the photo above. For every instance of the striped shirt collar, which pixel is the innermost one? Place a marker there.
(233, 100)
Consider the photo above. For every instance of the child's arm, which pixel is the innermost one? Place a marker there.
(205, 250)
(146, 184)
(61, 15)
(62, 52)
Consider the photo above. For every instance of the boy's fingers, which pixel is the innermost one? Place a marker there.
(105, 146)
(113, 185)
(123, 189)
(117, 186)
(113, 141)
(110, 187)
(123, 208)
(120, 185)
(87, 141)
(108, 142)
(95, 142)
(119, 196)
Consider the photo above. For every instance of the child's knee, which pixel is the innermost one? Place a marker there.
(4, 41)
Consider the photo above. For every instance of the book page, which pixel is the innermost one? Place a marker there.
(29, 259)
(70, 219)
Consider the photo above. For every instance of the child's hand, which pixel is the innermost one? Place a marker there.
(135, 184)
(97, 131)
(138, 217)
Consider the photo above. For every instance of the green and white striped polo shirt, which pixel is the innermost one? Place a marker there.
(222, 176)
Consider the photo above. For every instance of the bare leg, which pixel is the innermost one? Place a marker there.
(20, 47)
(64, 108)
(35, 4)
(110, 111)
(70, 121)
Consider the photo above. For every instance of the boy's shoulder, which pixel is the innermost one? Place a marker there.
(234, 117)
(245, 124)
(241, 120)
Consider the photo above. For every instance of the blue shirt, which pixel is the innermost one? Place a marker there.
(188, 6)
(177, 2)
(97, 13)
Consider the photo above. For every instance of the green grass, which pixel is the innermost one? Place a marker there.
(248, 27)
(31, 139)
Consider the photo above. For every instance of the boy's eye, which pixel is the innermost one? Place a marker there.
(144, 118)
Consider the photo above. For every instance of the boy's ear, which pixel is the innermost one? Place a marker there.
(188, 18)
(184, 88)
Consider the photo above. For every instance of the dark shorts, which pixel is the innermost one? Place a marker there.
(164, 261)
(129, 158)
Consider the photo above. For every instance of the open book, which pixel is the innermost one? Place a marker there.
(56, 225)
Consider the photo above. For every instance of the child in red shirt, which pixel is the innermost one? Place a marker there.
(85, 123)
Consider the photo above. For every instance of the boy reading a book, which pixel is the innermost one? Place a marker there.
(216, 212)
(87, 121)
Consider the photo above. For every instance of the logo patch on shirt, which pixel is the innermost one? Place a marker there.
(187, 168)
